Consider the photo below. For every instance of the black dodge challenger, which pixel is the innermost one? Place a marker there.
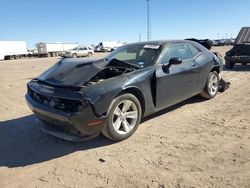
(77, 99)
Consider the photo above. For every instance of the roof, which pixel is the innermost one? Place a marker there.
(243, 36)
(159, 42)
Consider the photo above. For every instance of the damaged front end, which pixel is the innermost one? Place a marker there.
(56, 97)
(108, 72)
(76, 73)
(63, 111)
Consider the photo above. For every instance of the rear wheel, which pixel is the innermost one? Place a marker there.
(211, 88)
(124, 116)
(89, 54)
(74, 56)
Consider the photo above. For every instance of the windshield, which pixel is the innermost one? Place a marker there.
(139, 55)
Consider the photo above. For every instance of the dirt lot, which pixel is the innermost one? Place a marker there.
(197, 143)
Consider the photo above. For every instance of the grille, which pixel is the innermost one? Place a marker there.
(67, 105)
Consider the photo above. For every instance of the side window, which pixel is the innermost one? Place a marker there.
(179, 51)
(193, 50)
(84, 48)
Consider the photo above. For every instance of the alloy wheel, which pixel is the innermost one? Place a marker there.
(125, 117)
(213, 84)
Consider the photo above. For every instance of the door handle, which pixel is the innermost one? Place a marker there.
(194, 64)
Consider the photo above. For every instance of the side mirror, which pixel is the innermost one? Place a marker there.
(172, 61)
(175, 61)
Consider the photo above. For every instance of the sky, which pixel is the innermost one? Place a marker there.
(92, 21)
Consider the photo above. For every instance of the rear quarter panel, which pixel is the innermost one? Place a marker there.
(206, 62)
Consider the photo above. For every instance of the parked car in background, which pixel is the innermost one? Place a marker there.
(80, 98)
(228, 42)
(240, 53)
(80, 51)
(12, 50)
(108, 46)
(218, 42)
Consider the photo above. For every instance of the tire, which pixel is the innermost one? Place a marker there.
(74, 56)
(89, 54)
(212, 85)
(229, 65)
(119, 126)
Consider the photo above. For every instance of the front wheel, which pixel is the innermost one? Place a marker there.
(211, 88)
(89, 54)
(124, 116)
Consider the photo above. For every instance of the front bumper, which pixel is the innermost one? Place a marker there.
(77, 125)
(60, 133)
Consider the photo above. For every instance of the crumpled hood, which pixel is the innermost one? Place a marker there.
(72, 72)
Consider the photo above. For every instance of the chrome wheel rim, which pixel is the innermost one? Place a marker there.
(125, 117)
(213, 84)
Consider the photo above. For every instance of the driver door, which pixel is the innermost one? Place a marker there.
(80, 52)
(177, 83)
(84, 51)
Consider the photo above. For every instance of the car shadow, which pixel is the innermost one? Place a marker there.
(22, 143)
(195, 99)
(238, 68)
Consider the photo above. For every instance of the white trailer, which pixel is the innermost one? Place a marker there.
(12, 49)
(108, 46)
(53, 49)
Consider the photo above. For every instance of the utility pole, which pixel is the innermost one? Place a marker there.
(148, 22)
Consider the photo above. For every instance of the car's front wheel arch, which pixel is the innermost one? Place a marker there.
(101, 106)
(137, 93)
(124, 111)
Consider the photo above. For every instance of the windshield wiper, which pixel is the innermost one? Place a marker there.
(118, 62)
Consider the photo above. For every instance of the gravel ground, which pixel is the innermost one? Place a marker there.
(196, 143)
